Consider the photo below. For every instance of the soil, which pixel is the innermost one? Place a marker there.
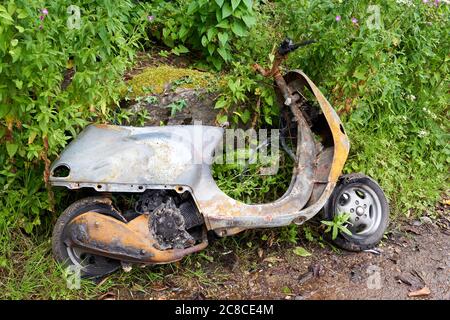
(415, 256)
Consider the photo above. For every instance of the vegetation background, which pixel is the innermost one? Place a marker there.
(386, 74)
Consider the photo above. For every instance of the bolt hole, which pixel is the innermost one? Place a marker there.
(99, 186)
(180, 189)
(140, 187)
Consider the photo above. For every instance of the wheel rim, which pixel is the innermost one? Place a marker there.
(364, 207)
(89, 263)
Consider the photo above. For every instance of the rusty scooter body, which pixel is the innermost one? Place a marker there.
(178, 202)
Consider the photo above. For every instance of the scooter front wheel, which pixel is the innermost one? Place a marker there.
(364, 200)
(89, 265)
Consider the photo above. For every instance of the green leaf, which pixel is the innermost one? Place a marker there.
(334, 233)
(235, 4)
(219, 15)
(360, 73)
(222, 119)
(249, 20)
(4, 110)
(19, 84)
(3, 262)
(286, 290)
(193, 7)
(183, 32)
(20, 29)
(345, 230)
(245, 116)
(302, 252)
(11, 148)
(238, 28)
(14, 42)
(216, 62)
(220, 2)
(328, 223)
(211, 48)
(220, 104)
(211, 33)
(224, 24)
(204, 41)
(7, 19)
(223, 38)
(226, 10)
(22, 14)
(248, 3)
(181, 49)
(223, 53)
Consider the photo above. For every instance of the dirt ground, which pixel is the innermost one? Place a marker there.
(414, 256)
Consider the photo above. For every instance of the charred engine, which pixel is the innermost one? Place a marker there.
(174, 220)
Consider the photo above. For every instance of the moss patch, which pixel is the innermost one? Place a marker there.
(154, 79)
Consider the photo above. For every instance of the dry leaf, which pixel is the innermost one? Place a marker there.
(272, 259)
(107, 296)
(260, 252)
(420, 293)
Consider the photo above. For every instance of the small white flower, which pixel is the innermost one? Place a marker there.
(408, 3)
(422, 133)
(412, 97)
(430, 113)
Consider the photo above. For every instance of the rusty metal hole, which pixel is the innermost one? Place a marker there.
(61, 171)
(180, 189)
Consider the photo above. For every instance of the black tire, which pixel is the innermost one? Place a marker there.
(91, 266)
(359, 242)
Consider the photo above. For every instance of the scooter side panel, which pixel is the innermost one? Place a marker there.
(119, 158)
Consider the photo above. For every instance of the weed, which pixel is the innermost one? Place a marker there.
(339, 224)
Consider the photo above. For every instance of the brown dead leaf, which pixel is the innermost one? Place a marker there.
(420, 293)
(108, 296)
(260, 252)
(411, 229)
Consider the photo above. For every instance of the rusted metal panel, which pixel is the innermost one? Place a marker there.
(129, 159)
(227, 216)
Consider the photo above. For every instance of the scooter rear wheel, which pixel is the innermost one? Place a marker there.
(90, 265)
(364, 200)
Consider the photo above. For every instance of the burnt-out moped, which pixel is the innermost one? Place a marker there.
(165, 173)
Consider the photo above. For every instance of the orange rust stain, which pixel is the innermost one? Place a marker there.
(135, 234)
